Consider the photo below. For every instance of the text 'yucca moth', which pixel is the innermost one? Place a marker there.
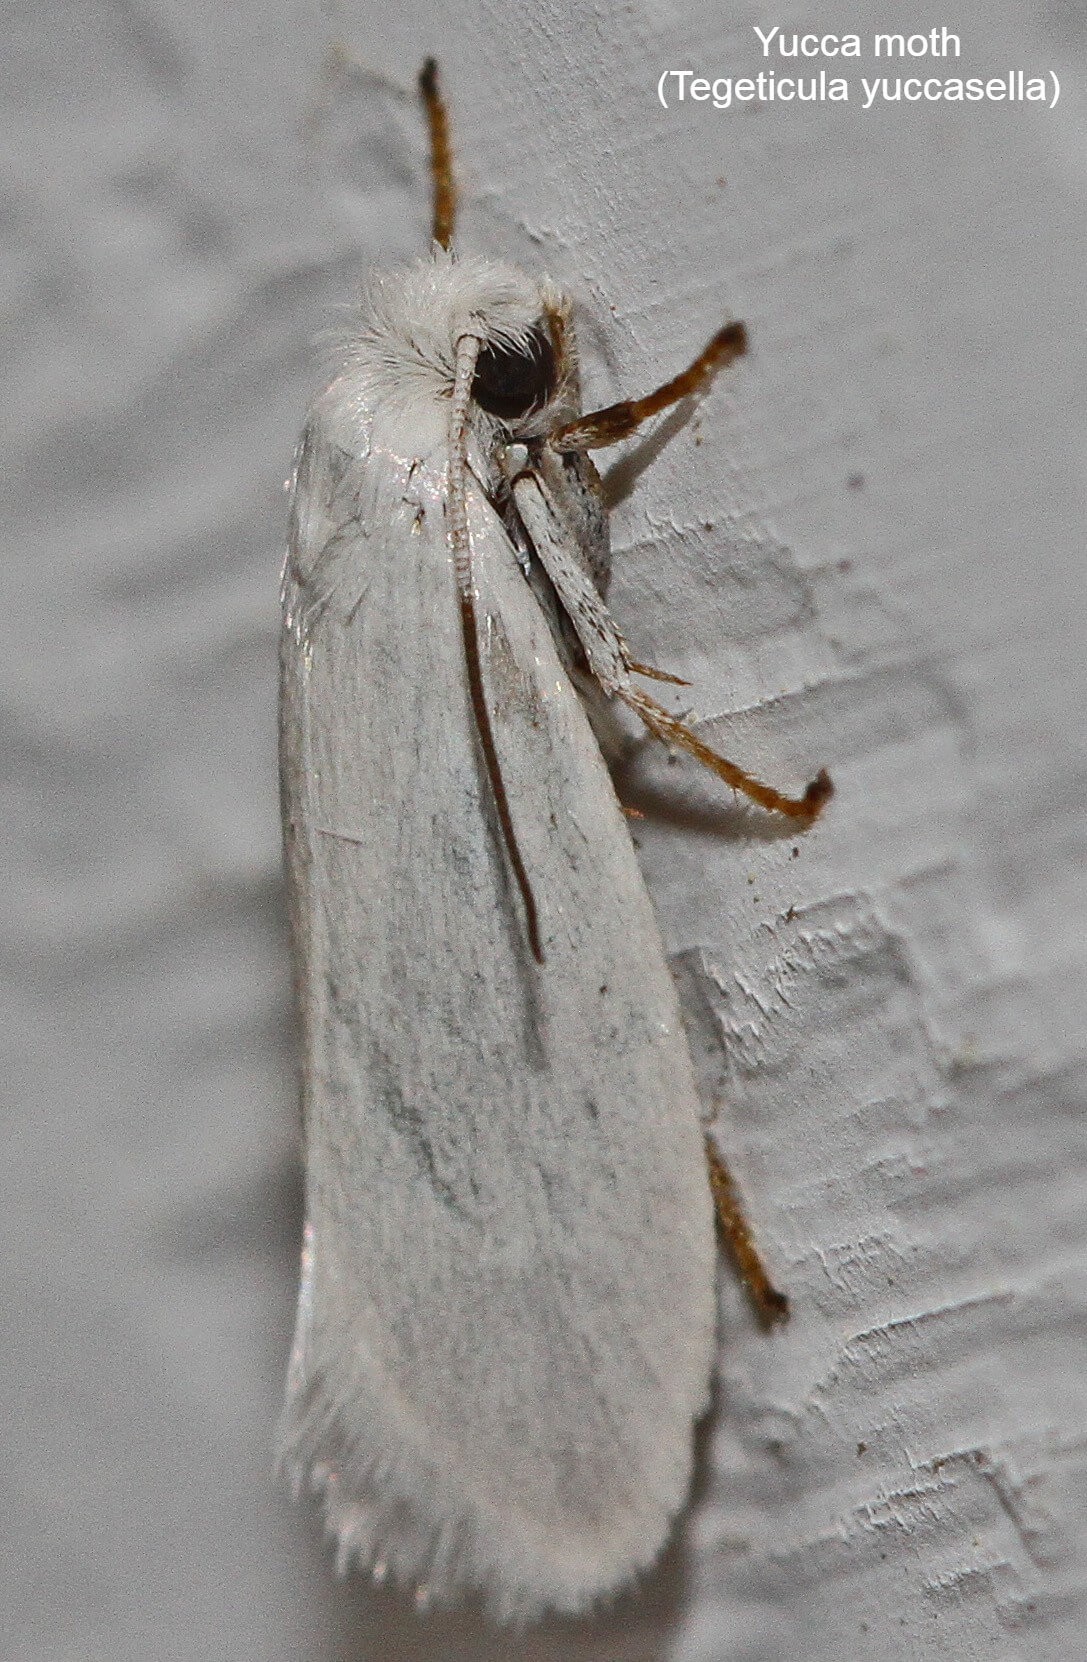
(506, 1318)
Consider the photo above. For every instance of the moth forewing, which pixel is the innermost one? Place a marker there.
(507, 1318)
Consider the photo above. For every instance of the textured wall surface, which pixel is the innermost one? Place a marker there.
(865, 551)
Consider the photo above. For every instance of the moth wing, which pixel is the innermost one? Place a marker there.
(506, 1318)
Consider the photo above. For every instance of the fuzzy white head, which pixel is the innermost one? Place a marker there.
(400, 354)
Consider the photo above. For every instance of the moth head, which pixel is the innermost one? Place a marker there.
(412, 319)
(525, 375)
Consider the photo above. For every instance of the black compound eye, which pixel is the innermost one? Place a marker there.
(511, 381)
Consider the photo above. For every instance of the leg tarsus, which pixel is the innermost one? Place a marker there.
(819, 792)
(670, 730)
(771, 1305)
(441, 155)
(656, 674)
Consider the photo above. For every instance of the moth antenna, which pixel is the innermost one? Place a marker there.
(467, 353)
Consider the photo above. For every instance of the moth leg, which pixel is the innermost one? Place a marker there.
(671, 730)
(657, 674)
(441, 155)
(618, 421)
(771, 1305)
(340, 60)
(609, 658)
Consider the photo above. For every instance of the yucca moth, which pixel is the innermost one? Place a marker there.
(506, 1319)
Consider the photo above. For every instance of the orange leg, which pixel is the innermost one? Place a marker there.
(771, 1305)
(671, 730)
(603, 427)
(609, 426)
(441, 155)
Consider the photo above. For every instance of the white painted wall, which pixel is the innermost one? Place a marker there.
(866, 551)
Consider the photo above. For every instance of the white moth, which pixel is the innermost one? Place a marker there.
(506, 1319)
